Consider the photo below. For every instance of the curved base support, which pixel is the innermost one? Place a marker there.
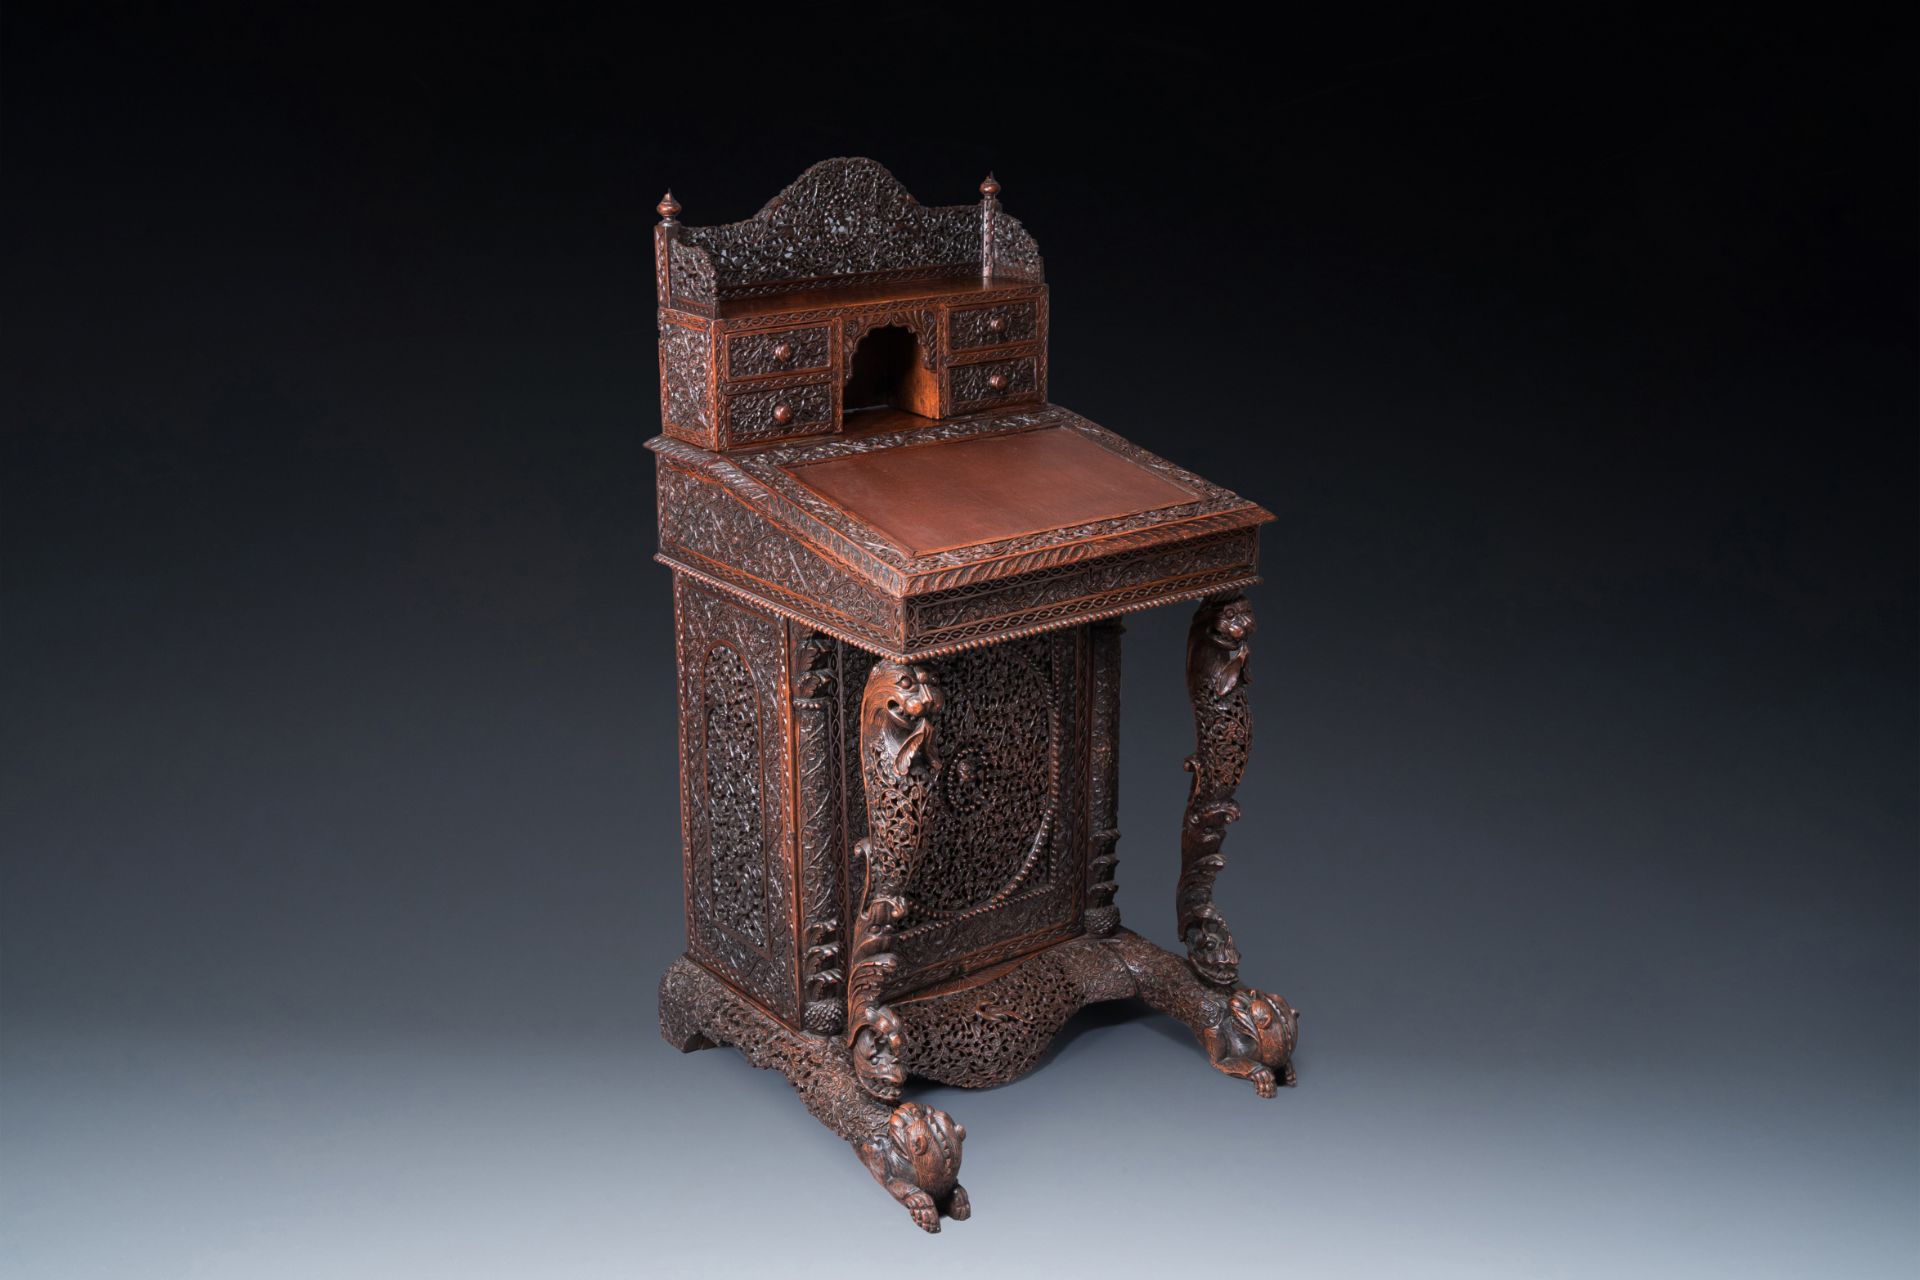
(912, 1150)
(985, 1034)
(991, 1032)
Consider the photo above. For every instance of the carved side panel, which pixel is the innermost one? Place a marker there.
(823, 846)
(686, 355)
(704, 527)
(1103, 756)
(735, 794)
(1003, 868)
(1015, 255)
(693, 277)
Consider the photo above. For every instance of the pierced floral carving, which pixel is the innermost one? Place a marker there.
(846, 218)
(997, 1031)
(1001, 867)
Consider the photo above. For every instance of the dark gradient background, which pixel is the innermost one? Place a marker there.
(1578, 363)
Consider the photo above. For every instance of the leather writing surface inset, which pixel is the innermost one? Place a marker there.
(960, 493)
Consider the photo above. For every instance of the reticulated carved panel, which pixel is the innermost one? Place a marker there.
(1015, 255)
(735, 808)
(692, 270)
(991, 830)
(1003, 867)
(847, 218)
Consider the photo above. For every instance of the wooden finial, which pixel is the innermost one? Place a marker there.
(668, 206)
(989, 204)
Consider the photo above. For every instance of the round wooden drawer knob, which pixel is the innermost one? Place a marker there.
(783, 352)
(998, 382)
(783, 414)
(996, 324)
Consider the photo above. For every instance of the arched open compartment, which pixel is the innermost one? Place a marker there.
(888, 370)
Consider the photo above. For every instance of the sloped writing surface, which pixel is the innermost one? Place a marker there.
(960, 493)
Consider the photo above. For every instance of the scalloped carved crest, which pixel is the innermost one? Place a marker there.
(842, 221)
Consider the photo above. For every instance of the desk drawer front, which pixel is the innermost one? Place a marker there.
(774, 414)
(755, 355)
(992, 383)
(974, 328)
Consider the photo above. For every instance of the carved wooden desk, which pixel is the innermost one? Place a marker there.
(897, 577)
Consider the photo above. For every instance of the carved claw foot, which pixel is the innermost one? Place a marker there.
(1247, 1033)
(917, 1160)
(1253, 1038)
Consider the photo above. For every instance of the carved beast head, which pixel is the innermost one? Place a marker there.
(1233, 622)
(877, 1045)
(1267, 1024)
(930, 1140)
(898, 703)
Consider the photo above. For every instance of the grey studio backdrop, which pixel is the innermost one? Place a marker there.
(340, 822)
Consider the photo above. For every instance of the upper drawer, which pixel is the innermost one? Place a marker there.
(992, 383)
(749, 416)
(972, 328)
(752, 355)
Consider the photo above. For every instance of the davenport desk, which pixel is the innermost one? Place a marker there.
(898, 572)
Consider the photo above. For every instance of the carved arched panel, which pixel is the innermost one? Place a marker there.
(991, 826)
(1003, 868)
